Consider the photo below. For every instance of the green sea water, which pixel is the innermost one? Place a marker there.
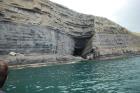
(110, 76)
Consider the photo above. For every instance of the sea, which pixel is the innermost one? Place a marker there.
(109, 76)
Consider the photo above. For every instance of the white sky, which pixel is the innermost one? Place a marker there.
(123, 12)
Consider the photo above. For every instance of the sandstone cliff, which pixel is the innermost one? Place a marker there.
(41, 26)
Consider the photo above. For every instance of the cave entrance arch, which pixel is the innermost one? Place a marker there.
(80, 44)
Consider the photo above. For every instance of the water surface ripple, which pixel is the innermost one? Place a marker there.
(110, 76)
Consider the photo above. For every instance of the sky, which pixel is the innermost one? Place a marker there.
(124, 12)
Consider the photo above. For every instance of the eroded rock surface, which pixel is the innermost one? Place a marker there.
(41, 26)
(110, 39)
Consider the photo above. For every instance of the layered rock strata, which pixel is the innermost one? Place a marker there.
(41, 26)
(110, 39)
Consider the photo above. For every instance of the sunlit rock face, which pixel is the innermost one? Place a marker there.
(41, 26)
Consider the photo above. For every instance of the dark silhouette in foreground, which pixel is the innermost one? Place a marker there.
(3, 74)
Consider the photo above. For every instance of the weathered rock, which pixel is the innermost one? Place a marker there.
(12, 54)
(41, 26)
(111, 39)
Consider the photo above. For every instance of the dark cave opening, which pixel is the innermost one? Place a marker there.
(78, 51)
(80, 44)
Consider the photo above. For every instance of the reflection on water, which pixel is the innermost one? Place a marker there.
(112, 76)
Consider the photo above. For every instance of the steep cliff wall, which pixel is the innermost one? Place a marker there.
(24, 28)
(110, 39)
(41, 26)
(33, 39)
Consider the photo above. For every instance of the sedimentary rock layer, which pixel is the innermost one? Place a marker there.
(41, 26)
(33, 39)
(110, 39)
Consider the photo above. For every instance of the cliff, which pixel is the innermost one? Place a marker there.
(41, 26)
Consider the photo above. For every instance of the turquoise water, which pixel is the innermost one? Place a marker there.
(110, 76)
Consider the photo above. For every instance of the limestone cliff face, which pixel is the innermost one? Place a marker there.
(110, 39)
(29, 26)
(41, 26)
